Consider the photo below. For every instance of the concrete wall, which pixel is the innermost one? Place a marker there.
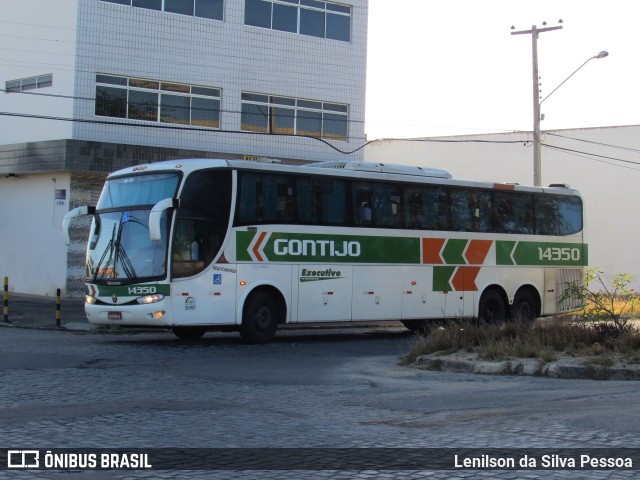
(32, 253)
(38, 40)
(603, 163)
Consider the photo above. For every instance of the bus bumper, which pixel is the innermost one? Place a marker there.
(152, 315)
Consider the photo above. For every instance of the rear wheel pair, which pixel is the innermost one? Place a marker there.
(493, 307)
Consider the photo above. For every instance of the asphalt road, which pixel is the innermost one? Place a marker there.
(338, 388)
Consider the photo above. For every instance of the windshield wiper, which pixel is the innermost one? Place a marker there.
(117, 254)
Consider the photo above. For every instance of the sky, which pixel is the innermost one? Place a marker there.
(452, 67)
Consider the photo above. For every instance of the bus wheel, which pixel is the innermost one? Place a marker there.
(525, 306)
(492, 308)
(188, 333)
(259, 318)
(416, 326)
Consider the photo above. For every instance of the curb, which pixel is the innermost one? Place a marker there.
(532, 367)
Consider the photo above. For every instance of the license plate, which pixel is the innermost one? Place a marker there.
(114, 315)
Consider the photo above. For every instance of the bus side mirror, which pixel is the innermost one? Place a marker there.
(156, 215)
(76, 212)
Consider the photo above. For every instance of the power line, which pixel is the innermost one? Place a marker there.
(594, 143)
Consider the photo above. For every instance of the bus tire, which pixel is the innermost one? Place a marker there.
(492, 307)
(424, 327)
(525, 306)
(259, 318)
(188, 333)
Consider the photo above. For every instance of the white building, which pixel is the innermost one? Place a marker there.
(91, 86)
(603, 163)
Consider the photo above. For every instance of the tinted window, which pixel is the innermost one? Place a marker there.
(184, 7)
(257, 13)
(285, 18)
(339, 27)
(151, 4)
(210, 9)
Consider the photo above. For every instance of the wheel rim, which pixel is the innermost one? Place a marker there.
(262, 318)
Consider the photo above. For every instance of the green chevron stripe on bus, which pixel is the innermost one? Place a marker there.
(541, 253)
(291, 247)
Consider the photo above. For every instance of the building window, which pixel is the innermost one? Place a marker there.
(307, 17)
(290, 116)
(29, 83)
(156, 101)
(213, 9)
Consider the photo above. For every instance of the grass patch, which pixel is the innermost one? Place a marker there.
(543, 339)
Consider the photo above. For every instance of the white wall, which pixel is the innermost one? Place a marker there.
(610, 187)
(32, 253)
(37, 40)
(121, 40)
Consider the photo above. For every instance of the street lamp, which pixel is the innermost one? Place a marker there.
(537, 144)
(537, 154)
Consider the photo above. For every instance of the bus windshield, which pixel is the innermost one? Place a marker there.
(120, 249)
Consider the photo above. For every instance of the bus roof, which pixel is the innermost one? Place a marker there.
(348, 169)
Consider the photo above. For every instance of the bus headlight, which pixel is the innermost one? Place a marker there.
(89, 299)
(147, 299)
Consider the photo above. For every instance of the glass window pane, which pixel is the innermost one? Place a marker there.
(257, 13)
(313, 3)
(254, 118)
(309, 123)
(334, 126)
(45, 81)
(285, 18)
(210, 9)
(175, 87)
(151, 4)
(312, 22)
(121, 2)
(111, 102)
(205, 112)
(339, 27)
(283, 101)
(174, 109)
(570, 215)
(339, 8)
(308, 104)
(138, 83)
(111, 80)
(254, 97)
(143, 105)
(283, 120)
(184, 7)
(12, 86)
(209, 92)
(29, 83)
(334, 107)
(546, 215)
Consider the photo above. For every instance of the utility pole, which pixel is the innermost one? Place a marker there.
(537, 156)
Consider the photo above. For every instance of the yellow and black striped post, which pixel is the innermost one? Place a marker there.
(6, 300)
(57, 307)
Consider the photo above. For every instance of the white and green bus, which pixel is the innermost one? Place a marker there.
(197, 245)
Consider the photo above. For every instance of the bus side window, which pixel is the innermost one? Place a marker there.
(333, 205)
(386, 204)
(414, 208)
(569, 215)
(546, 214)
(437, 211)
(307, 199)
(362, 204)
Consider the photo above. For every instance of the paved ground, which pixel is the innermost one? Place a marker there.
(307, 389)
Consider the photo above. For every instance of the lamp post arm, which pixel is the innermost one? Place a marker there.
(600, 55)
